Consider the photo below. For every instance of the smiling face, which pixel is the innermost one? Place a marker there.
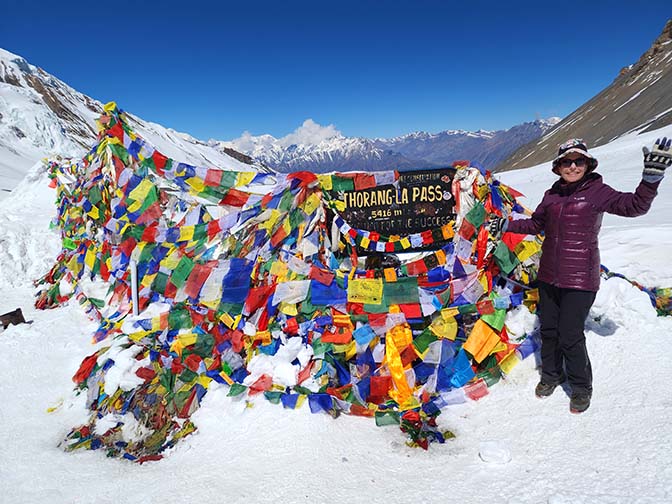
(573, 167)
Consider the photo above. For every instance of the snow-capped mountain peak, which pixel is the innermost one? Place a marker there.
(319, 148)
(40, 116)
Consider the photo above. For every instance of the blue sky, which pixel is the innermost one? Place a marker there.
(375, 69)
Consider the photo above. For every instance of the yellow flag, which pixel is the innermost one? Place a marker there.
(481, 341)
(444, 327)
(325, 182)
(311, 204)
(279, 269)
(440, 256)
(349, 349)
(390, 274)
(141, 190)
(401, 334)
(402, 392)
(270, 222)
(483, 280)
(447, 231)
(509, 362)
(212, 304)
(186, 233)
(137, 336)
(90, 258)
(73, 265)
(226, 377)
(172, 259)
(526, 249)
(204, 380)
(245, 178)
(226, 319)
(176, 347)
(288, 309)
(196, 183)
(187, 339)
(94, 212)
(135, 206)
(450, 312)
(365, 290)
(499, 347)
(264, 337)
(148, 279)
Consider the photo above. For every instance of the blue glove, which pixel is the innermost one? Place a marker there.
(657, 160)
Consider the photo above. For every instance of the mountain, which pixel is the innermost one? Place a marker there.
(322, 151)
(40, 116)
(638, 100)
(307, 149)
(486, 147)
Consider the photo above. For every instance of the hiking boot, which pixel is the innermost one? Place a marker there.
(579, 402)
(544, 390)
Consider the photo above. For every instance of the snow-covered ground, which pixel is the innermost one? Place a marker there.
(617, 452)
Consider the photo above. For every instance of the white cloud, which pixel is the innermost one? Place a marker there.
(247, 142)
(309, 133)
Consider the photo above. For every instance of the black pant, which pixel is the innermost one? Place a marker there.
(563, 314)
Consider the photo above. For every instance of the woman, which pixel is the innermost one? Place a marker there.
(570, 215)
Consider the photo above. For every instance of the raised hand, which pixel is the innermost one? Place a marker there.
(497, 226)
(657, 160)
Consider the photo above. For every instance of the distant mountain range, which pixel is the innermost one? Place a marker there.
(638, 100)
(414, 150)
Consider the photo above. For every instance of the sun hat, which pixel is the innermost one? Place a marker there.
(575, 145)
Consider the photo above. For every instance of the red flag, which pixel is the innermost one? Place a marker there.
(197, 278)
(235, 198)
(411, 310)
(257, 297)
(263, 383)
(145, 373)
(481, 246)
(379, 388)
(159, 161)
(193, 362)
(213, 229)
(149, 234)
(85, 368)
(213, 178)
(237, 340)
(416, 268)
(340, 336)
(322, 276)
(116, 131)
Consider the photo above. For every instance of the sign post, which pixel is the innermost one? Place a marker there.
(417, 201)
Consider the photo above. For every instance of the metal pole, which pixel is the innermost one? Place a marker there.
(134, 285)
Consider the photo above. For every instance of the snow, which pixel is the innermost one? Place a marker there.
(510, 446)
(31, 130)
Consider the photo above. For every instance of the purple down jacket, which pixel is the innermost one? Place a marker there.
(571, 217)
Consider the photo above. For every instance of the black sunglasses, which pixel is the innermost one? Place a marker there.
(580, 162)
